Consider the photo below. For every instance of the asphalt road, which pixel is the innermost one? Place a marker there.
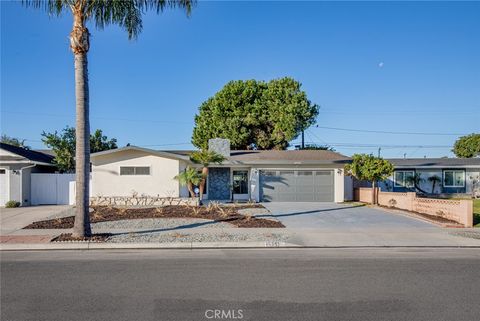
(310, 284)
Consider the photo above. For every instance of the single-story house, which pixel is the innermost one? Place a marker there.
(258, 175)
(16, 166)
(453, 175)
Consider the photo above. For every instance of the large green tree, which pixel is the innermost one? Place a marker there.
(467, 146)
(367, 167)
(13, 141)
(128, 15)
(64, 144)
(255, 114)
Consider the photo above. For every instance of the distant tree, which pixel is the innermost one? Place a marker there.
(467, 146)
(255, 114)
(13, 141)
(317, 147)
(205, 158)
(190, 177)
(369, 168)
(63, 144)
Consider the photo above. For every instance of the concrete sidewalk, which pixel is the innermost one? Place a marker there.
(302, 238)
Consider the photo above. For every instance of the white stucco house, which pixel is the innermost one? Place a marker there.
(259, 175)
(16, 167)
(454, 175)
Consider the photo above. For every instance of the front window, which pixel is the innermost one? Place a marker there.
(404, 178)
(454, 178)
(134, 170)
(240, 182)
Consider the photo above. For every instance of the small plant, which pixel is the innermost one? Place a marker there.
(248, 217)
(441, 213)
(159, 210)
(12, 204)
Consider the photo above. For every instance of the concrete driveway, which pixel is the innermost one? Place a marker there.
(14, 219)
(334, 216)
(347, 225)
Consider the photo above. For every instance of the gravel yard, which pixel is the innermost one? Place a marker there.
(162, 237)
(160, 223)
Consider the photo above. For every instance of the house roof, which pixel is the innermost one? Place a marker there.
(160, 153)
(294, 157)
(435, 162)
(31, 155)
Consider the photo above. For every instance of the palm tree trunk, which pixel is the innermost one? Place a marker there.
(79, 42)
(190, 189)
(374, 198)
(203, 182)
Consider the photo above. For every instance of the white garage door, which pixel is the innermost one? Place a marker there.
(297, 185)
(3, 186)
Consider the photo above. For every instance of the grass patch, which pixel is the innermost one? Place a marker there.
(476, 213)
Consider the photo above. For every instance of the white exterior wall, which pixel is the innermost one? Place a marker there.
(107, 181)
(339, 185)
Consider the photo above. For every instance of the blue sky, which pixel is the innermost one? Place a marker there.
(381, 66)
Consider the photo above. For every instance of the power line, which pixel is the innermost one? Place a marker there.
(97, 117)
(389, 132)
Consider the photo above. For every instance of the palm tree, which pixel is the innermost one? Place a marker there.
(415, 180)
(434, 179)
(190, 177)
(205, 158)
(128, 15)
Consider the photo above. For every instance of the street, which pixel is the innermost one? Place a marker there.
(301, 284)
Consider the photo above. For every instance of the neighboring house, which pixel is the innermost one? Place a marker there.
(16, 166)
(259, 175)
(456, 175)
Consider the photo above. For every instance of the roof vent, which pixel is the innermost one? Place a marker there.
(220, 146)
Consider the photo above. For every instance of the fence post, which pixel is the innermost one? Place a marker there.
(411, 200)
(469, 211)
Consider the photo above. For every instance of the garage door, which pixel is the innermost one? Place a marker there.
(297, 185)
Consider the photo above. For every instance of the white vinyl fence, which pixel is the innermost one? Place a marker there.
(73, 189)
(51, 189)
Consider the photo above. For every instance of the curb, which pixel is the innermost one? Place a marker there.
(199, 246)
(105, 246)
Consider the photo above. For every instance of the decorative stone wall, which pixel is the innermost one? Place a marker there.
(219, 183)
(141, 201)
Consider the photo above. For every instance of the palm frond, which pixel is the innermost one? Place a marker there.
(125, 13)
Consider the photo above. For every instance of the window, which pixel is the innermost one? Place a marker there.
(134, 170)
(2, 171)
(240, 182)
(454, 178)
(404, 178)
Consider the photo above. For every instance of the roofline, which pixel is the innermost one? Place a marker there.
(141, 149)
(26, 161)
(436, 166)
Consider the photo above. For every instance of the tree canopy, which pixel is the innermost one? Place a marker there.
(63, 144)
(13, 141)
(369, 168)
(467, 146)
(255, 114)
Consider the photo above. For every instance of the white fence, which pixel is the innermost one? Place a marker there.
(50, 188)
(73, 190)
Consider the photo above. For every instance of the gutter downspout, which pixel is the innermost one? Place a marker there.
(21, 182)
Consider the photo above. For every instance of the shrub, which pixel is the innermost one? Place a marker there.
(12, 204)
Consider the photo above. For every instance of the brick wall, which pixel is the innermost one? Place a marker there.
(460, 211)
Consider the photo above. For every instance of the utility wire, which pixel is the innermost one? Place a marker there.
(389, 132)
